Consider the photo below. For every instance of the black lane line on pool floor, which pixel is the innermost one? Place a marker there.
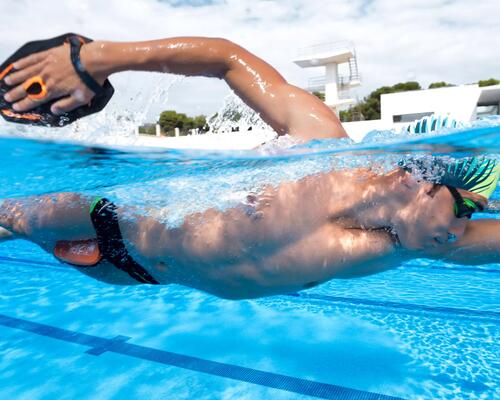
(119, 345)
(443, 312)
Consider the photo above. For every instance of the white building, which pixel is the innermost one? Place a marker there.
(463, 103)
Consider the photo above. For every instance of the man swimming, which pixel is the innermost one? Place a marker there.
(340, 224)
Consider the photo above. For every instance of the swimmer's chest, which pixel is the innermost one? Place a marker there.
(331, 252)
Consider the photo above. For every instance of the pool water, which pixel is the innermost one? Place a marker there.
(426, 330)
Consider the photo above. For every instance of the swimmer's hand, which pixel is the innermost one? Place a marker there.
(55, 68)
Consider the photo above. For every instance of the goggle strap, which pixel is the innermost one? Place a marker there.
(463, 207)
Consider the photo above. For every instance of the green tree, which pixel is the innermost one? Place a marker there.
(148, 129)
(369, 107)
(488, 82)
(170, 119)
(319, 95)
(200, 122)
(436, 85)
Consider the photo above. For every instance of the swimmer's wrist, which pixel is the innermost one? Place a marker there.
(94, 60)
(101, 59)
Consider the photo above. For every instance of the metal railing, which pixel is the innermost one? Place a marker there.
(344, 94)
(343, 82)
(316, 83)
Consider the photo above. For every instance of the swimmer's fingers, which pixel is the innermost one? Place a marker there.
(23, 102)
(15, 78)
(18, 93)
(29, 60)
(68, 104)
(27, 103)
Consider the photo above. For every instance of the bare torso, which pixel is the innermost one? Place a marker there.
(282, 239)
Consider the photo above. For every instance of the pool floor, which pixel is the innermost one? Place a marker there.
(423, 331)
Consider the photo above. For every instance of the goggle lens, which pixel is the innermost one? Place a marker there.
(465, 208)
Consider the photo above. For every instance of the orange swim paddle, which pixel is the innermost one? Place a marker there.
(37, 90)
(83, 253)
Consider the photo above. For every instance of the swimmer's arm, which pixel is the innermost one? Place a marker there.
(286, 108)
(480, 244)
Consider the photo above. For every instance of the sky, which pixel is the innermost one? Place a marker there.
(425, 40)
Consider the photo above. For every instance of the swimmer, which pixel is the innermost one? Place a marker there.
(340, 224)
(286, 108)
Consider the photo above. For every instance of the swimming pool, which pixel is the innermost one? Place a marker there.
(425, 330)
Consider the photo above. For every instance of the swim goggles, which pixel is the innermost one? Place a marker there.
(463, 208)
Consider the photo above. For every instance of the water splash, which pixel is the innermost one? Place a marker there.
(236, 115)
(115, 125)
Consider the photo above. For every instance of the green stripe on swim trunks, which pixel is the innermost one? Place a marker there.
(94, 203)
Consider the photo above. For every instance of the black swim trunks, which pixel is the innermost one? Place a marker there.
(110, 241)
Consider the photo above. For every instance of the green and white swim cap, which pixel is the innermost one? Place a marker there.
(479, 175)
(475, 174)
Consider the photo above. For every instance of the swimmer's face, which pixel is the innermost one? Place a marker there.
(429, 220)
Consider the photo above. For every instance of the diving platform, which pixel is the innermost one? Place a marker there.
(324, 54)
(330, 55)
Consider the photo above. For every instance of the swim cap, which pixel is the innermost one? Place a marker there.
(475, 174)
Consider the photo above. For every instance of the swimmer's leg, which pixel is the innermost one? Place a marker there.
(61, 225)
(46, 219)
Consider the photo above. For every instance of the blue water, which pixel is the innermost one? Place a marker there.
(425, 330)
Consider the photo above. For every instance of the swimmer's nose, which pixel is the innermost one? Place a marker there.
(450, 236)
(440, 239)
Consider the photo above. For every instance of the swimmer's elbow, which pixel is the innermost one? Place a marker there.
(243, 63)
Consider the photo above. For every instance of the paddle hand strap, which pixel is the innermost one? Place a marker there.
(76, 44)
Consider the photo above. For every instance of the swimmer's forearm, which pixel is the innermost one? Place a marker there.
(479, 245)
(191, 56)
